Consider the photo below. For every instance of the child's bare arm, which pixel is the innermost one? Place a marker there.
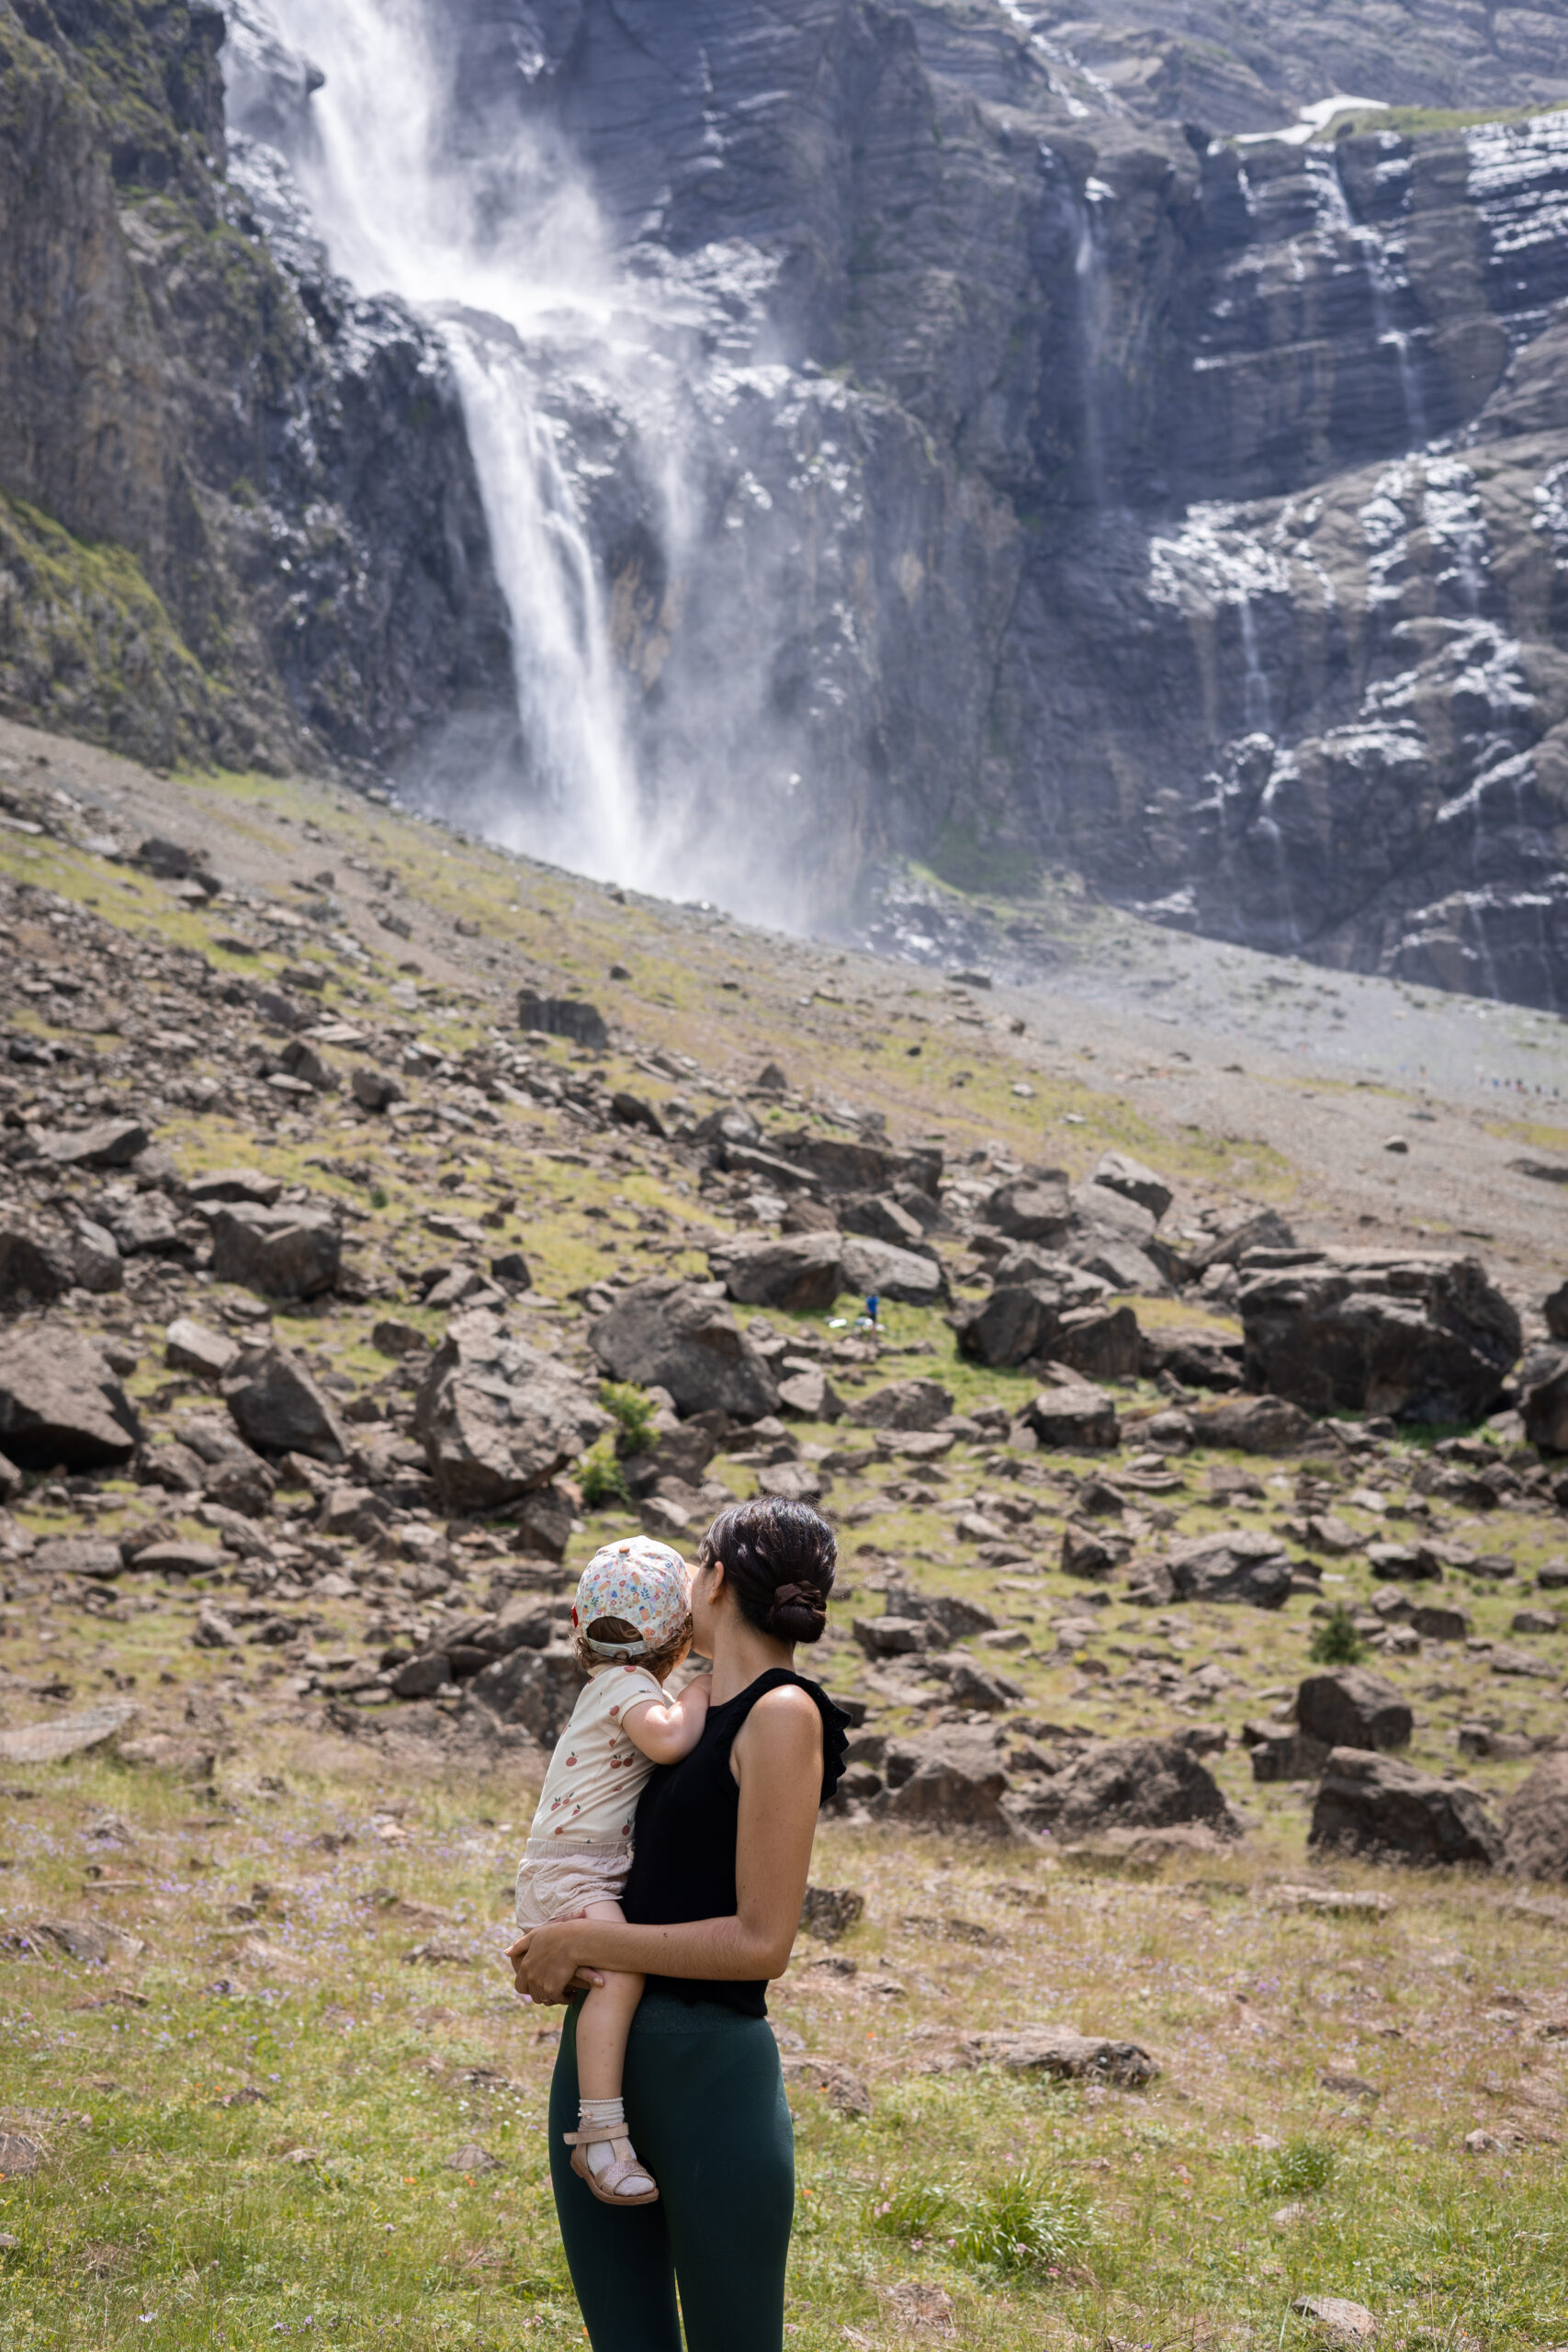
(667, 1729)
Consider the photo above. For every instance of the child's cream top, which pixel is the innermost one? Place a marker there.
(596, 1774)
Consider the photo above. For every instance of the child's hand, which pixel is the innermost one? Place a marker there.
(543, 1968)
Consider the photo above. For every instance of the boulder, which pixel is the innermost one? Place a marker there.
(1067, 2056)
(682, 1337)
(1555, 1309)
(1135, 1183)
(878, 1269)
(78, 1555)
(498, 1419)
(843, 2089)
(281, 1252)
(191, 1347)
(1078, 1420)
(1266, 1230)
(1018, 1323)
(946, 1780)
(277, 1407)
(536, 1689)
(1243, 1564)
(96, 1262)
(60, 1404)
(1085, 1553)
(1350, 1707)
(1282, 1752)
(1388, 1811)
(1127, 1785)
(1197, 1358)
(35, 1267)
(109, 1143)
(904, 1404)
(811, 1396)
(1037, 1207)
(799, 1271)
(1420, 1338)
(52, 1743)
(235, 1184)
(147, 1227)
(635, 1111)
(880, 1218)
(1114, 1238)
(375, 1089)
(563, 1016)
(1254, 1425)
(863, 1165)
(1544, 1402)
(1535, 1821)
(1103, 1343)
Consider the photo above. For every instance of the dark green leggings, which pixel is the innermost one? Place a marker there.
(705, 2110)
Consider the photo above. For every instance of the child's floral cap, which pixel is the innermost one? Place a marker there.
(645, 1583)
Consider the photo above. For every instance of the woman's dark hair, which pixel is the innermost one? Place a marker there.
(778, 1559)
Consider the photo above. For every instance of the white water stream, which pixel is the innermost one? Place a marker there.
(507, 258)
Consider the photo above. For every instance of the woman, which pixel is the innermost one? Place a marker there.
(712, 1904)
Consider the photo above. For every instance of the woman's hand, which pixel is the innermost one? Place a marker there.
(546, 1966)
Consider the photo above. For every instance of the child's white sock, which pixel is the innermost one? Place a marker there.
(609, 2111)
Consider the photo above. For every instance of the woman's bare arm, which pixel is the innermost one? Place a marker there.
(778, 1759)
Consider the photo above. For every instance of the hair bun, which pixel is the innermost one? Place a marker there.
(801, 1600)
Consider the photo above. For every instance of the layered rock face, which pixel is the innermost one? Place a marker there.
(989, 446)
(238, 515)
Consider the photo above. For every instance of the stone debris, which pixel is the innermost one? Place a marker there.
(1351, 1707)
(61, 1404)
(497, 1418)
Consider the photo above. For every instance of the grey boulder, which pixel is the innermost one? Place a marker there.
(498, 1419)
(1057, 2050)
(799, 1271)
(1127, 1785)
(881, 1269)
(1353, 1708)
(1420, 1338)
(281, 1252)
(1388, 1811)
(1544, 1403)
(904, 1404)
(535, 1688)
(682, 1337)
(110, 1143)
(1119, 1174)
(1535, 1821)
(1240, 1565)
(60, 1404)
(277, 1407)
(563, 1016)
(1031, 1209)
(1079, 1419)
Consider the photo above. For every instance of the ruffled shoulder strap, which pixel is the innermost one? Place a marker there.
(835, 1723)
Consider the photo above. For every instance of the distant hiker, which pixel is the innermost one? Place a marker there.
(723, 1848)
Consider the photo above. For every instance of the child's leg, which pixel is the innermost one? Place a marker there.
(602, 2024)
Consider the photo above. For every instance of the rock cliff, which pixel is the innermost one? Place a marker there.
(1010, 438)
(238, 519)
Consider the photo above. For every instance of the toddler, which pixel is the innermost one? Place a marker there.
(632, 1626)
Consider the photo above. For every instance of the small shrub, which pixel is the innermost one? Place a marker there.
(603, 1487)
(1337, 1641)
(1298, 2169)
(915, 2210)
(632, 1414)
(379, 1196)
(1024, 2223)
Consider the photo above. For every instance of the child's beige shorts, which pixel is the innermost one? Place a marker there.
(557, 1879)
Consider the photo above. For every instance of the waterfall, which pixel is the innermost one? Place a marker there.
(510, 263)
(1383, 280)
(1258, 701)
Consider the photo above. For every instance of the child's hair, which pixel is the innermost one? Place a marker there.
(661, 1660)
(779, 1559)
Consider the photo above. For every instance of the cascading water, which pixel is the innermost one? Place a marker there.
(508, 261)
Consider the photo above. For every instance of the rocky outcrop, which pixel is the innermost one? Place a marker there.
(60, 1403)
(682, 1337)
(1422, 1340)
(497, 1418)
(1353, 1708)
(1387, 1811)
(242, 517)
(1128, 1784)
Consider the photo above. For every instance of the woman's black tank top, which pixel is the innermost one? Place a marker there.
(684, 1863)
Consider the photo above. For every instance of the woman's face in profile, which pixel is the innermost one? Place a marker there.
(706, 1585)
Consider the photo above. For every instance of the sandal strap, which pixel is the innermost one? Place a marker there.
(613, 2174)
(594, 2135)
